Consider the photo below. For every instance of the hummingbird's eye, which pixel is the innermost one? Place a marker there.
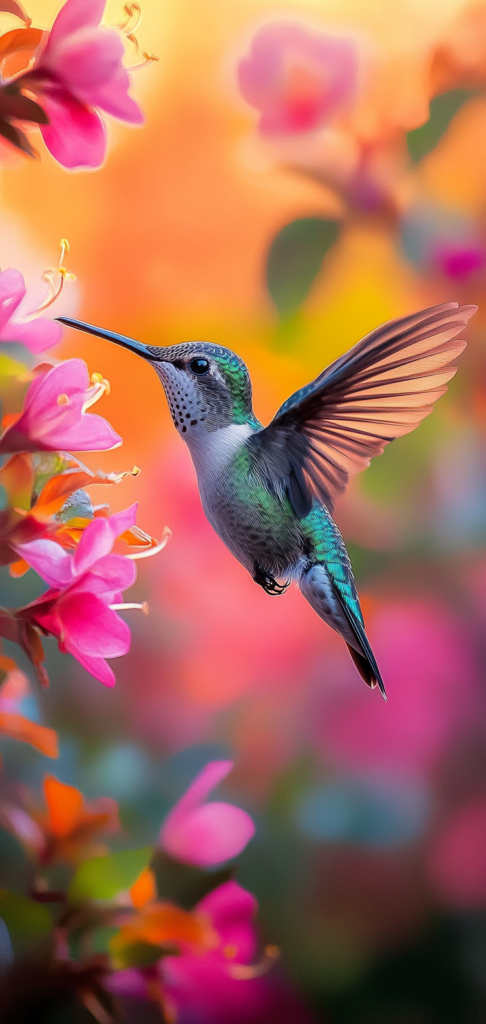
(199, 366)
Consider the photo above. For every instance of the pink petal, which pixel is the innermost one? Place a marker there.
(91, 627)
(200, 835)
(208, 778)
(12, 291)
(86, 61)
(231, 910)
(49, 560)
(113, 98)
(75, 135)
(70, 377)
(208, 835)
(36, 335)
(96, 667)
(74, 15)
(110, 575)
(119, 522)
(92, 434)
(96, 542)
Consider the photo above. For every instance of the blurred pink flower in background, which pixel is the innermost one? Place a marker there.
(297, 79)
(206, 834)
(459, 261)
(79, 71)
(77, 609)
(36, 334)
(431, 682)
(457, 861)
(53, 417)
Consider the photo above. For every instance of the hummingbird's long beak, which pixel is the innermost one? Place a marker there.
(100, 332)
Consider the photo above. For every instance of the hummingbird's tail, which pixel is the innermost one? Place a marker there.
(320, 590)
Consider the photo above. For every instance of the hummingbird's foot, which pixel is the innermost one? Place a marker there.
(269, 583)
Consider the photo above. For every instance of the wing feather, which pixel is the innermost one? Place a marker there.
(379, 390)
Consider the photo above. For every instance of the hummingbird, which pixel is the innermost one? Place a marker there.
(269, 491)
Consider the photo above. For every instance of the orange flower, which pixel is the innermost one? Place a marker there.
(16, 726)
(67, 830)
(70, 824)
(159, 923)
(40, 507)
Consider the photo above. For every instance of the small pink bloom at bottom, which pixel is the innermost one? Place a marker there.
(206, 834)
(221, 986)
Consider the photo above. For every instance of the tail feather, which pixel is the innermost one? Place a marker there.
(363, 656)
(332, 603)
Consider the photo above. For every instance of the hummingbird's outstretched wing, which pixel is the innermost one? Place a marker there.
(381, 389)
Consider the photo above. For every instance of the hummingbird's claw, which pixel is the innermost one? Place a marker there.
(269, 583)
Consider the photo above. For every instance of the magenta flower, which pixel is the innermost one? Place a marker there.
(79, 72)
(54, 414)
(460, 260)
(85, 589)
(296, 78)
(213, 982)
(38, 333)
(206, 834)
(221, 985)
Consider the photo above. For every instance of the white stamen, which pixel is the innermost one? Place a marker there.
(243, 972)
(152, 551)
(95, 393)
(126, 606)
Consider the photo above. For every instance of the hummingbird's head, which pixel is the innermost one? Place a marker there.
(207, 386)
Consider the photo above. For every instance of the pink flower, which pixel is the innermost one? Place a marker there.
(37, 334)
(423, 652)
(457, 862)
(221, 985)
(79, 72)
(211, 982)
(206, 834)
(459, 261)
(54, 414)
(296, 78)
(77, 609)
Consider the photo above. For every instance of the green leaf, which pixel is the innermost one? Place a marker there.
(423, 140)
(101, 878)
(28, 922)
(183, 884)
(140, 954)
(295, 259)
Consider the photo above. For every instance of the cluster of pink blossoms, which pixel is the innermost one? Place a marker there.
(204, 960)
(86, 579)
(74, 74)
